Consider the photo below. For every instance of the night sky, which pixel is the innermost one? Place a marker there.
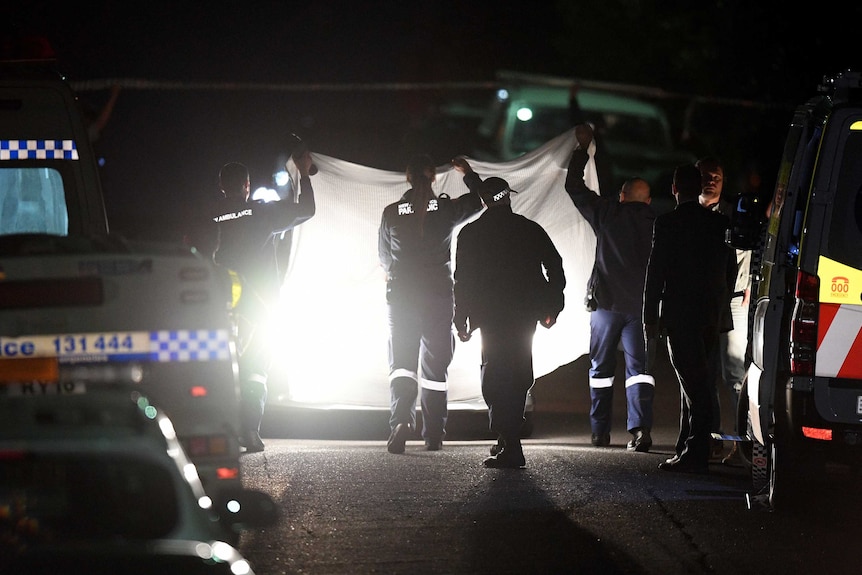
(204, 83)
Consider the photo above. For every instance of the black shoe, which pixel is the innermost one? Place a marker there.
(498, 447)
(506, 459)
(641, 442)
(673, 459)
(684, 466)
(433, 445)
(398, 438)
(601, 440)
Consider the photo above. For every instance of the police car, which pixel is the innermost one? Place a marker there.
(802, 402)
(75, 297)
(99, 483)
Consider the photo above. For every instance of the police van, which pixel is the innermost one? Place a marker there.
(802, 401)
(80, 306)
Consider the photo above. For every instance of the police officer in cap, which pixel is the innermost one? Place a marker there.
(508, 276)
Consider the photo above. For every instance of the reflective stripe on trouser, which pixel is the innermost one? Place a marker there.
(403, 390)
(420, 336)
(640, 393)
(601, 404)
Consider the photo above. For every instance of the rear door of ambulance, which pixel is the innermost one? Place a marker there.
(81, 307)
(830, 248)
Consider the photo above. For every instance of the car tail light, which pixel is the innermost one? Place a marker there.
(803, 326)
(206, 445)
(817, 433)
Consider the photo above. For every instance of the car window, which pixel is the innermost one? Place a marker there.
(542, 125)
(546, 123)
(32, 200)
(845, 230)
(55, 498)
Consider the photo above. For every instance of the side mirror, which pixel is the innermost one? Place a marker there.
(746, 222)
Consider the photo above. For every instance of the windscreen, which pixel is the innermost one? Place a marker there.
(845, 230)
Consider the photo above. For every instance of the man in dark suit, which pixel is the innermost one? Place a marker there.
(690, 275)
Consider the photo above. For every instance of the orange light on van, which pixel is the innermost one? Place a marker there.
(30, 369)
(817, 433)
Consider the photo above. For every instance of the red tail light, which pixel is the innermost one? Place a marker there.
(803, 326)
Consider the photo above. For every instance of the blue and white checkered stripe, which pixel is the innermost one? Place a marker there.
(190, 345)
(38, 150)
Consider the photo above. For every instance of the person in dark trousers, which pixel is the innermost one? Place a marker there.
(246, 246)
(415, 246)
(508, 276)
(689, 278)
(731, 362)
(623, 231)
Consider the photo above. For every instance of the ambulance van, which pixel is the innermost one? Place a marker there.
(802, 402)
(81, 307)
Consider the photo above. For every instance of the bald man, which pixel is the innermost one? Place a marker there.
(623, 231)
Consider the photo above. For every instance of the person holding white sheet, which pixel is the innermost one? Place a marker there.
(414, 248)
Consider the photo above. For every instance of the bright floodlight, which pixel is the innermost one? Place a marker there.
(524, 114)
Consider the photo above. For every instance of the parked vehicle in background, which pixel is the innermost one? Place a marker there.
(527, 111)
(75, 298)
(802, 402)
(99, 483)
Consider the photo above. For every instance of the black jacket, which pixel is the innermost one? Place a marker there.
(691, 272)
(500, 267)
(247, 233)
(623, 238)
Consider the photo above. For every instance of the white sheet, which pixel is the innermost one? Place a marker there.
(333, 346)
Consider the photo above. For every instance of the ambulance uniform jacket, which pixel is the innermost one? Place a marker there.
(247, 236)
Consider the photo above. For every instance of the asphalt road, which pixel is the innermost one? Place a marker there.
(348, 506)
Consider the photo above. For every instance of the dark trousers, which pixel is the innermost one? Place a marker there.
(507, 374)
(421, 346)
(607, 330)
(690, 351)
(255, 357)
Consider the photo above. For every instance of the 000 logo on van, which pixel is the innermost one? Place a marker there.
(839, 339)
